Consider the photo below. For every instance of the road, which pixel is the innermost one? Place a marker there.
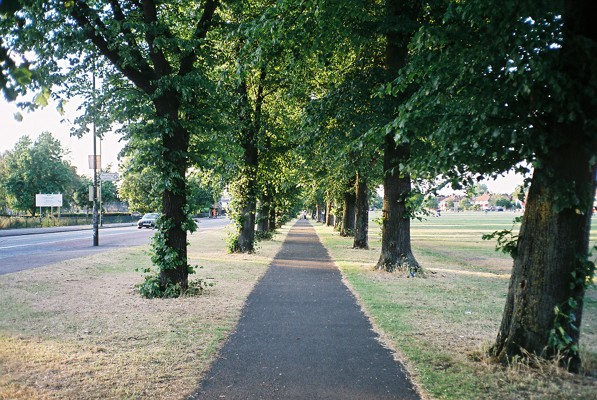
(22, 252)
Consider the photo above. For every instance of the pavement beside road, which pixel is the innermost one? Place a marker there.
(53, 229)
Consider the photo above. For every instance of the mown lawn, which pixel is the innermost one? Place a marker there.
(442, 324)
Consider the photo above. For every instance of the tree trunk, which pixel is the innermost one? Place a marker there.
(264, 214)
(348, 216)
(338, 219)
(174, 156)
(329, 218)
(396, 252)
(332, 221)
(272, 218)
(543, 311)
(548, 262)
(361, 231)
(318, 213)
(246, 234)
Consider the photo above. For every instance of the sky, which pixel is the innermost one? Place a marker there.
(48, 119)
(502, 185)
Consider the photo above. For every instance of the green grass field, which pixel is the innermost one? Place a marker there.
(442, 325)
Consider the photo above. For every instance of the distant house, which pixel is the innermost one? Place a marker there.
(482, 201)
(451, 202)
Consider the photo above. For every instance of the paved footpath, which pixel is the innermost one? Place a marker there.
(302, 336)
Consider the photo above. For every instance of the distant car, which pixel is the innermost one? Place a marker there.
(148, 221)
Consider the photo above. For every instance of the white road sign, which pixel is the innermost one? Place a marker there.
(109, 176)
(48, 200)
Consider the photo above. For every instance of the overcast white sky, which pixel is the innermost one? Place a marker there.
(48, 119)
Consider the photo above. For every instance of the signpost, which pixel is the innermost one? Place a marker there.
(97, 159)
(48, 200)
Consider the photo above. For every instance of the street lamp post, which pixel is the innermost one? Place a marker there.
(95, 219)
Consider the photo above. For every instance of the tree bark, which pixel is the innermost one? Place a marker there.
(248, 192)
(338, 219)
(396, 251)
(329, 218)
(551, 265)
(251, 125)
(361, 232)
(264, 214)
(348, 215)
(174, 155)
(549, 258)
(246, 233)
(318, 213)
(272, 218)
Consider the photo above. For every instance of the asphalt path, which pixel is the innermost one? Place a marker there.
(34, 248)
(302, 335)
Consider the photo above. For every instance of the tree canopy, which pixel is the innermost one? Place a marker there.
(32, 168)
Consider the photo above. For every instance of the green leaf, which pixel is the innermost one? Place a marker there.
(42, 99)
(22, 75)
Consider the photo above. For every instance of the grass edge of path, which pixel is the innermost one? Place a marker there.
(451, 365)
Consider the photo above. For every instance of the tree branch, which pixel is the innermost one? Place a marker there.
(186, 64)
(120, 17)
(84, 16)
(150, 17)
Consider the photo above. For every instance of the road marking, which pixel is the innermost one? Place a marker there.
(60, 241)
(36, 244)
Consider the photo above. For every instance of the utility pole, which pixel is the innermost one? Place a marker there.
(95, 219)
(101, 217)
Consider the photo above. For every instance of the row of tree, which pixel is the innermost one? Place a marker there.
(454, 92)
(325, 99)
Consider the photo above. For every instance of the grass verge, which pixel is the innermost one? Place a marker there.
(442, 325)
(78, 329)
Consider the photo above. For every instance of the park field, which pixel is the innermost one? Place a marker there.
(442, 324)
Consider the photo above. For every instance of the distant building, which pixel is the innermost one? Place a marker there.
(482, 201)
(452, 202)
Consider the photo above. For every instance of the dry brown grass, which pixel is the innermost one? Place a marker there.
(78, 329)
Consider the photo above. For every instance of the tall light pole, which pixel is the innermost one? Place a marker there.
(95, 219)
(101, 182)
